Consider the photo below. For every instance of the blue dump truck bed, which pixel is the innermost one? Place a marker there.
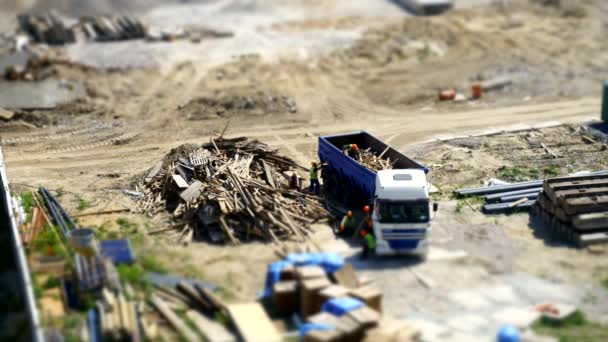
(345, 179)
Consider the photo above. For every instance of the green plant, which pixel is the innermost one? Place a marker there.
(517, 174)
(551, 171)
(459, 205)
(28, 202)
(51, 282)
(605, 283)
(83, 204)
(149, 263)
(47, 242)
(575, 328)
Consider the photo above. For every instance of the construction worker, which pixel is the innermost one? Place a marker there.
(314, 178)
(368, 243)
(366, 223)
(295, 182)
(348, 223)
(352, 150)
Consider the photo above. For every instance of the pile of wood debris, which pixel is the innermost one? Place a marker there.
(229, 190)
(373, 162)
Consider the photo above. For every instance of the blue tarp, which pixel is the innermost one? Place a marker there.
(331, 262)
(341, 306)
(118, 250)
(308, 327)
(273, 275)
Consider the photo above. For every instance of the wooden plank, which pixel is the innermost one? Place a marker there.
(252, 323)
(227, 231)
(591, 221)
(153, 172)
(180, 181)
(346, 276)
(592, 239)
(553, 185)
(585, 205)
(211, 330)
(549, 151)
(193, 191)
(179, 325)
(268, 174)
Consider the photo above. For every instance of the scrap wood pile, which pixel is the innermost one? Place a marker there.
(229, 190)
(374, 162)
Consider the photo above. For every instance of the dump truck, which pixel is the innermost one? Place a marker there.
(399, 196)
(426, 7)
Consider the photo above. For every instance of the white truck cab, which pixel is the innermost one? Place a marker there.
(402, 212)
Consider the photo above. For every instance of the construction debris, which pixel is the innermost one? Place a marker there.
(235, 192)
(576, 208)
(374, 162)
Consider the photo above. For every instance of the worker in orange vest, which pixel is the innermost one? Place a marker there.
(366, 223)
(352, 150)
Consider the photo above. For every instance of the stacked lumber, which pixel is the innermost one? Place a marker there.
(201, 306)
(576, 208)
(374, 162)
(46, 28)
(118, 317)
(229, 190)
(112, 28)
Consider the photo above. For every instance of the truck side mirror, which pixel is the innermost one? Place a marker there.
(435, 207)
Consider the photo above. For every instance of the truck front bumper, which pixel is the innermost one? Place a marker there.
(418, 247)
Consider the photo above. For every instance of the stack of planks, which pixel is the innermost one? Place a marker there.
(576, 208)
(229, 190)
(118, 317)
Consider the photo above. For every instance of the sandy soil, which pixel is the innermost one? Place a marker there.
(385, 83)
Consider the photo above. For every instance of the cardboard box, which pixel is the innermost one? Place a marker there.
(285, 297)
(310, 295)
(370, 295)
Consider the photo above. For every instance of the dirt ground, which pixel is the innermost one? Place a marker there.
(332, 67)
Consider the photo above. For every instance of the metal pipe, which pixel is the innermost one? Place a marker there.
(499, 188)
(506, 207)
(498, 196)
(530, 196)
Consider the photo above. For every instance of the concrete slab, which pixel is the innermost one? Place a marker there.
(469, 299)
(518, 317)
(468, 323)
(440, 254)
(501, 294)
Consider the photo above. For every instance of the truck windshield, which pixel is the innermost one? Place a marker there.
(403, 212)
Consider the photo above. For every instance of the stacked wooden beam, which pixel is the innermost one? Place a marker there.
(118, 317)
(576, 208)
(229, 190)
(112, 28)
(46, 28)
